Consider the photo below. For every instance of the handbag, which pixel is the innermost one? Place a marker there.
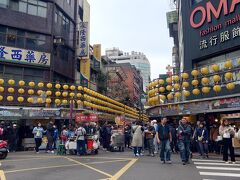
(236, 142)
(200, 138)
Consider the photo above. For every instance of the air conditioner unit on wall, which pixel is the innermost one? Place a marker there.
(58, 40)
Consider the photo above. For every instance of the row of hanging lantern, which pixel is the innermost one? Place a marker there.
(62, 95)
(177, 86)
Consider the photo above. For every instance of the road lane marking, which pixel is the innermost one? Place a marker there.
(28, 159)
(206, 160)
(40, 168)
(218, 168)
(219, 164)
(219, 174)
(124, 169)
(103, 162)
(103, 158)
(2, 175)
(90, 167)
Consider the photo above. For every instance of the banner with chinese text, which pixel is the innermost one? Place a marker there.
(83, 40)
(97, 51)
(24, 56)
(85, 72)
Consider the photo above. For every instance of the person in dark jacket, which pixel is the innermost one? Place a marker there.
(184, 138)
(202, 139)
(55, 136)
(127, 133)
(50, 134)
(106, 137)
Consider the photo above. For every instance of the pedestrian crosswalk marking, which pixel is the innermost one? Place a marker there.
(219, 174)
(219, 168)
(206, 160)
(219, 164)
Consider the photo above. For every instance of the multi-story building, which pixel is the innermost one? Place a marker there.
(132, 81)
(139, 60)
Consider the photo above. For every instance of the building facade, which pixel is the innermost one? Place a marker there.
(139, 60)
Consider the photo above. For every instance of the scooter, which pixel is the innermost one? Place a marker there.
(3, 149)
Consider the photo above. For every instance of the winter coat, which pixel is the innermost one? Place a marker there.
(137, 140)
(184, 132)
(202, 132)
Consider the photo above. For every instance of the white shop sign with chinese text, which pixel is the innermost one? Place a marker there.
(83, 40)
(24, 56)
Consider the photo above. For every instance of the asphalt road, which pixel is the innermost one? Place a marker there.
(112, 166)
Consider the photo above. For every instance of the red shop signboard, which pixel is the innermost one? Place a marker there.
(86, 118)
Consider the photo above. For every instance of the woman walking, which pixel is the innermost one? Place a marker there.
(137, 141)
(227, 132)
(202, 139)
(38, 134)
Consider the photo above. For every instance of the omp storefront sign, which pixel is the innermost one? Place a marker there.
(24, 56)
(209, 11)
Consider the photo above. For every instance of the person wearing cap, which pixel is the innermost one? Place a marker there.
(184, 138)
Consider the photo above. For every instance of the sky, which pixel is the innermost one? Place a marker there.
(133, 25)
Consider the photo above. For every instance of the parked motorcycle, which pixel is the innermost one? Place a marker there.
(3, 149)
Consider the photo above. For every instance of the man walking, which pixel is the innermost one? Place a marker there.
(164, 138)
(50, 134)
(81, 133)
(184, 138)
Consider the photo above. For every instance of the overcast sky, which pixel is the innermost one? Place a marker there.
(133, 25)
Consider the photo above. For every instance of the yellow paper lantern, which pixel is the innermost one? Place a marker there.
(195, 73)
(79, 102)
(65, 101)
(156, 90)
(1, 89)
(57, 101)
(72, 94)
(185, 75)
(228, 64)
(40, 84)
(49, 85)
(39, 100)
(176, 78)
(205, 90)
(72, 87)
(215, 67)
(162, 97)
(11, 90)
(10, 98)
(205, 81)
(1, 98)
(176, 86)
(20, 99)
(186, 93)
(195, 82)
(216, 78)
(204, 70)
(48, 93)
(57, 86)
(161, 81)
(185, 84)
(11, 82)
(21, 83)
(161, 89)
(39, 92)
(31, 84)
(177, 94)
(170, 96)
(228, 75)
(58, 93)
(48, 100)
(217, 88)
(30, 100)
(79, 95)
(21, 91)
(1, 81)
(65, 94)
(169, 80)
(65, 87)
(196, 92)
(230, 86)
(169, 87)
(30, 91)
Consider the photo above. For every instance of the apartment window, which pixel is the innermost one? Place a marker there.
(32, 7)
(62, 20)
(22, 39)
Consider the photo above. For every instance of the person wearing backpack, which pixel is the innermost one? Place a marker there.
(202, 139)
(81, 143)
(38, 134)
